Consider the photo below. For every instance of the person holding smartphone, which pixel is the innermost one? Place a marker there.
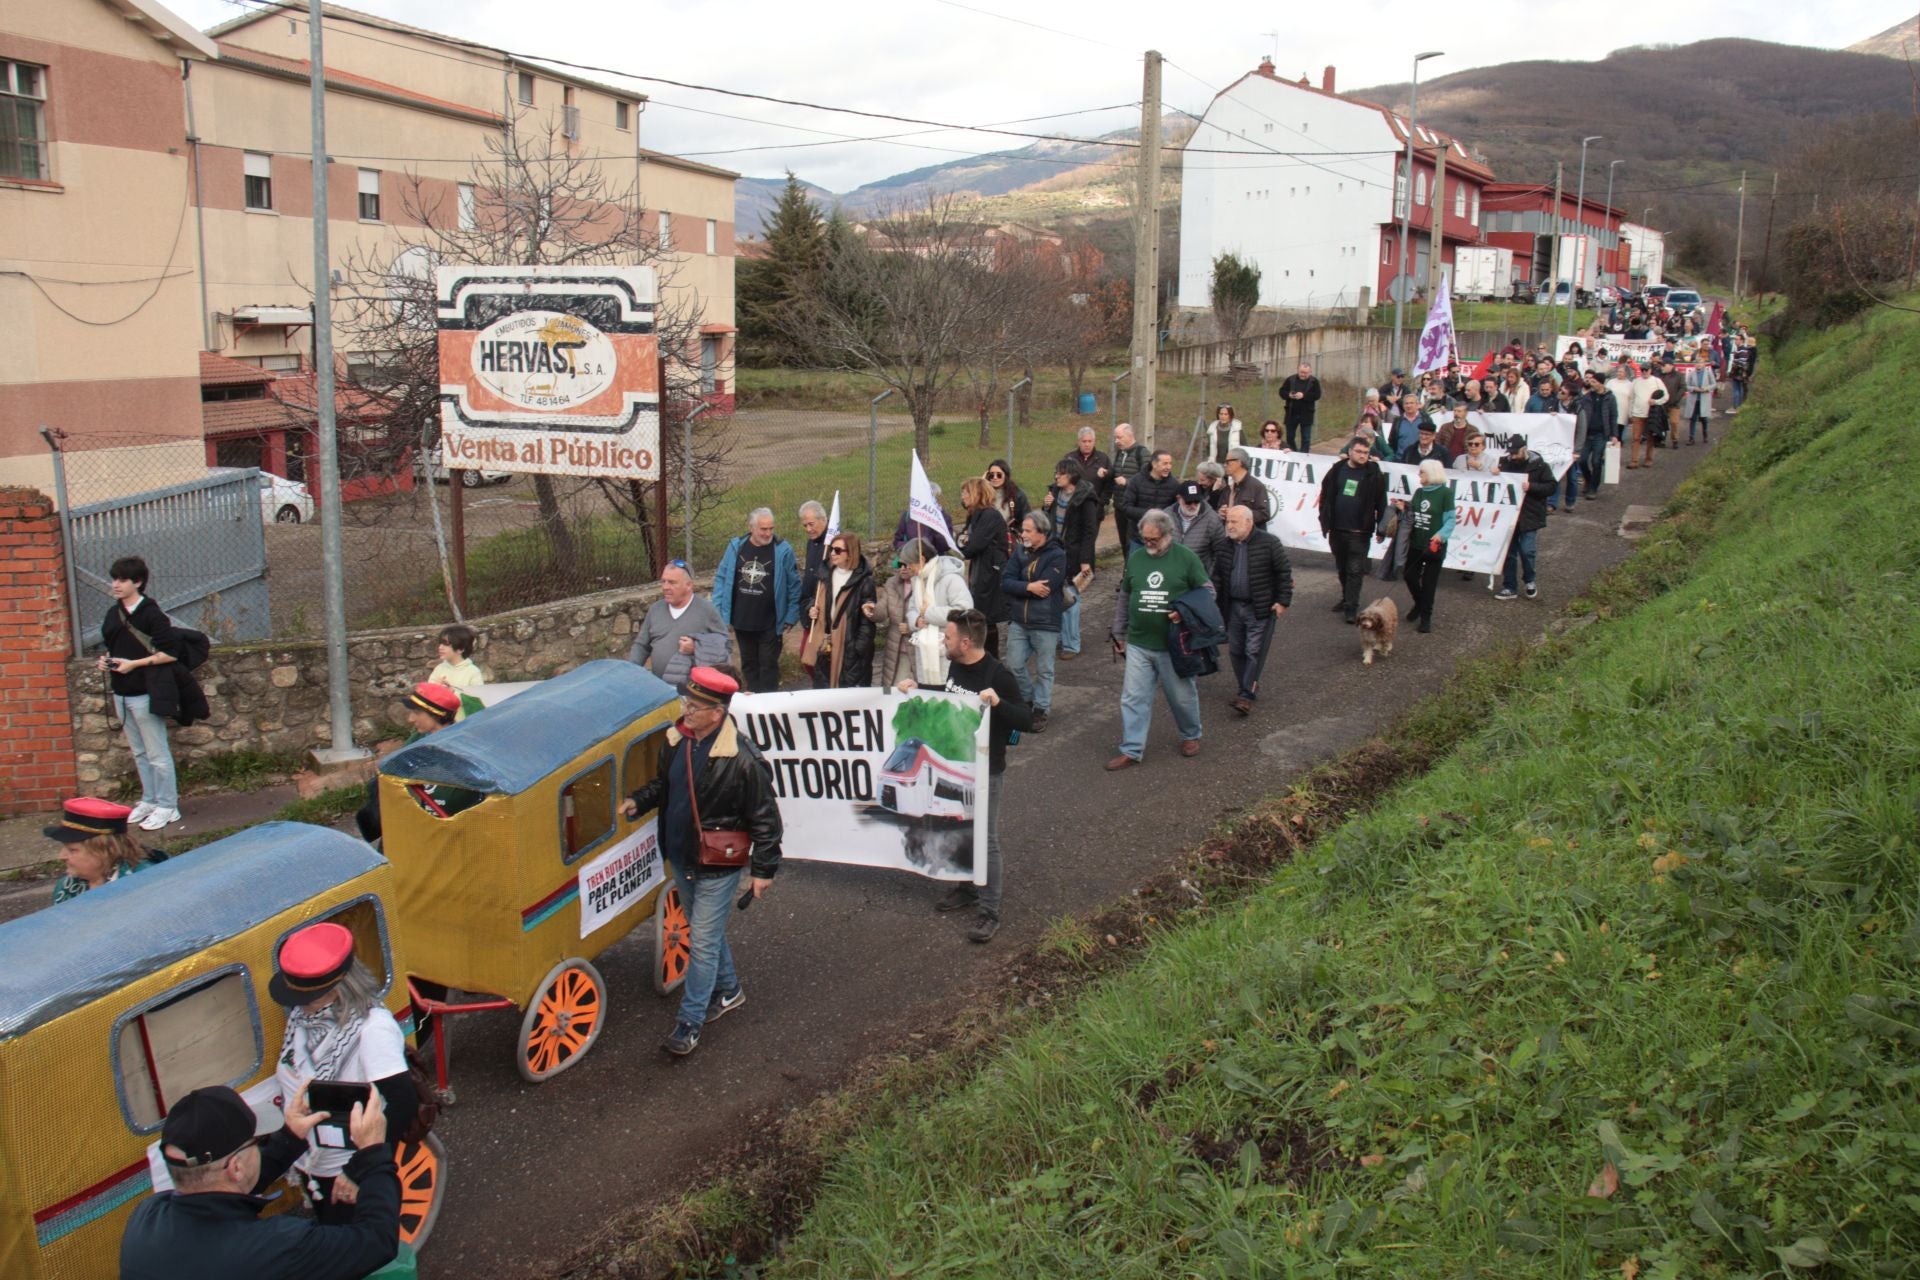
(209, 1224)
(337, 1032)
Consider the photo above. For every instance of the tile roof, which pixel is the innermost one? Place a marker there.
(223, 371)
(235, 417)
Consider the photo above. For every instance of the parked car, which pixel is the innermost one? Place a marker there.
(282, 501)
(429, 460)
(1558, 296)
(1605, 296)
(1655, 294)
(1683, 301)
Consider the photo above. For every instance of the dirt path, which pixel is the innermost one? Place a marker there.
(839, 961)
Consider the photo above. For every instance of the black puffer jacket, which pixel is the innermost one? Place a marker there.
(1269, 573)
(1540, 487)
(983, 545)
(1079, 532)
(1143, 494)
(734, 792)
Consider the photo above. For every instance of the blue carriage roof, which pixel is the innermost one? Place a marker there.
(56, 960)
(508, 748)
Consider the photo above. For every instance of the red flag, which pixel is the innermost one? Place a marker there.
(1485, 367)
(1713, 323)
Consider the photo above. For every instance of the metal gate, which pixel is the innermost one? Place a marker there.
(203, 541)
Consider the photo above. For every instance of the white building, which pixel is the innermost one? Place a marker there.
(1319, 217)
(1647, 254)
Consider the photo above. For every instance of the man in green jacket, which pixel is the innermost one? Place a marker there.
(1157, 575)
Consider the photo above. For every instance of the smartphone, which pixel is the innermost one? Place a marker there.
(337, 1098)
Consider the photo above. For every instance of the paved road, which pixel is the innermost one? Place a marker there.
(840, 961)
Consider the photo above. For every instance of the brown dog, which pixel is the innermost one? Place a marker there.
(1378, 623)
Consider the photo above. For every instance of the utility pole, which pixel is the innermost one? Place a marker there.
(1740, 235)
(341, 749)
(1766, 246)
(1438, 238)
(1402, 271)
(1556, 229)
(1582, 268)
(1145, 365)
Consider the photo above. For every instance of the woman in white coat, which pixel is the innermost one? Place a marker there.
(939, 591)
(1696, 406)
(1223, 434)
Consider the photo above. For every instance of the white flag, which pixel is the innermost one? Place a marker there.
(921, 504)
(833, 517)
(1436, 340)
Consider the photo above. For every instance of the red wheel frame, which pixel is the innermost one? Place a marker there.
(562, 1020)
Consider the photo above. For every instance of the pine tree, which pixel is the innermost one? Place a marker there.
(767, 291)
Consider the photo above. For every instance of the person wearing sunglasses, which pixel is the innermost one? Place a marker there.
(839, 644)
(1009, 499)
(681, 630)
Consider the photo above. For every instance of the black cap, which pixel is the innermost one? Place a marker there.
(207, 1125)
(1190, 491)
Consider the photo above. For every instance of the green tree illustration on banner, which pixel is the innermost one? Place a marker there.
(946, 727)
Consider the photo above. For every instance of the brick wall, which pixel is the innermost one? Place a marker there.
(36, 724)
(272, 696)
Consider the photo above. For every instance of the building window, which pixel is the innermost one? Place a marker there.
(1400, 194)
(525, 88)
(709, 364)
(1459, 202)
(467, 219)
(1419, 188)
(1474, 207)
(369, 195)
(23, 121)
(666, 230)
(259, 181)
(569, 116)
(622, 115)
(713, 236)
(1386, 250)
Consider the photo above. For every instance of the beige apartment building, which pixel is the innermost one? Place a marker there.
(197, 189)
(98, 297)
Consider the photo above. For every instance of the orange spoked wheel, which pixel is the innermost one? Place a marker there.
(672, 940)
(563, 1019)
(423, 1187)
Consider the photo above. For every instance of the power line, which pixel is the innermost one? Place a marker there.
(295, 13)
(1071, 35)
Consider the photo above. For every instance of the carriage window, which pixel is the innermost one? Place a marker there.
(206, 1034)
(586, 810)
(368, 927)
(641, 764)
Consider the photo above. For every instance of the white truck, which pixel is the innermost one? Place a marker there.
(1577, 264)
(1482, 273)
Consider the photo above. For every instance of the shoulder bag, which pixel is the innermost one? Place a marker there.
(719, 850)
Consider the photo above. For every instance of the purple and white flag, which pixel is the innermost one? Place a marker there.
(1436, 339)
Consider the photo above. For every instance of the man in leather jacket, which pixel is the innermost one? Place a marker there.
(732, 791)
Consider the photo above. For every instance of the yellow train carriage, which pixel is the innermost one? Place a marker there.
(515, 895)
(115, 1004)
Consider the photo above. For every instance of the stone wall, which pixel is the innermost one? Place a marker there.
(272, 696)
(36, 767)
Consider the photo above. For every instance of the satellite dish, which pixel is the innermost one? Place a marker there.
(1401, 288)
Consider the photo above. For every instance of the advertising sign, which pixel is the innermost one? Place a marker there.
(549, 369)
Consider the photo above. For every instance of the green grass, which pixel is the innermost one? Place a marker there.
(1625, 985)
(1523, 319)
(241, 769)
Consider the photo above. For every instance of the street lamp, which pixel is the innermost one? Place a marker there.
(1580, 220)
(1406, 212)
(1611, 166)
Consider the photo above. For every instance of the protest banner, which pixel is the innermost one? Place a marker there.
(549, 369)
(1548, 434)
(876, 778)
(620, 877)
(1609, 349)
(1486, 507)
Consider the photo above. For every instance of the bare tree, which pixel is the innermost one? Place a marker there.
(914, 303)
(536, 202)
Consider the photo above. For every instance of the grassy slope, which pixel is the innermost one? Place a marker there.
(1651, 929)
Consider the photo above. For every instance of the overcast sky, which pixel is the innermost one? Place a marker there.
(994, 61)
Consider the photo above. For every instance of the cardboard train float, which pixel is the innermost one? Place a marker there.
(124, 999)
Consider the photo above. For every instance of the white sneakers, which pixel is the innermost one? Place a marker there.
(157, 819)
(139, 814)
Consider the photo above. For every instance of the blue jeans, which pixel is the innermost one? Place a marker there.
(709, 903)
(1520, 559)
(1041, 646)
(152, 755)
(996, 801)
(1739, 394)
(1145, 669)
(1572, 487)
(1070, 628)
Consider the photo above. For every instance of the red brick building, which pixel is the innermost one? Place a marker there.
(1519, 216)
